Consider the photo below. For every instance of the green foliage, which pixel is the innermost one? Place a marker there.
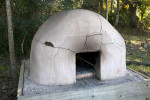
(144, 13)
(91, 5)
(3, 29)
(125, 18)
(112, 18)
(145, 22)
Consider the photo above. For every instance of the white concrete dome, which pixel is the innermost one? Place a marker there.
(52, 58)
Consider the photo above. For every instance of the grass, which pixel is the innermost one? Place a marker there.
(140, 68)
(135, 52)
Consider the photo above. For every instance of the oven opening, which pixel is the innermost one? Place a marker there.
(85, 64)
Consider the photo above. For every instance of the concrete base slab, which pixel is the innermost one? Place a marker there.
(85, 80)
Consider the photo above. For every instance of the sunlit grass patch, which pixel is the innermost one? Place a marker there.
(140, 68)
(134, 42)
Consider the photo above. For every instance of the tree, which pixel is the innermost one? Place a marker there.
(132, 11)
(134, 19)
(142, 7)
(106, 9)
(117, 15)
(11, 40)
(111, 5)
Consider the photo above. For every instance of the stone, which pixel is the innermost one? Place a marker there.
(55, 44)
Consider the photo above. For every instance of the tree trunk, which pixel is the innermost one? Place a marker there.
(106, 9)
(117, 15)
(112, 5)
(81, 1)
(11, 40)
(132, 8)
(134, 18)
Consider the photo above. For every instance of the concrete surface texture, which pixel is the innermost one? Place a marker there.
(54, 48)
(85, 80)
